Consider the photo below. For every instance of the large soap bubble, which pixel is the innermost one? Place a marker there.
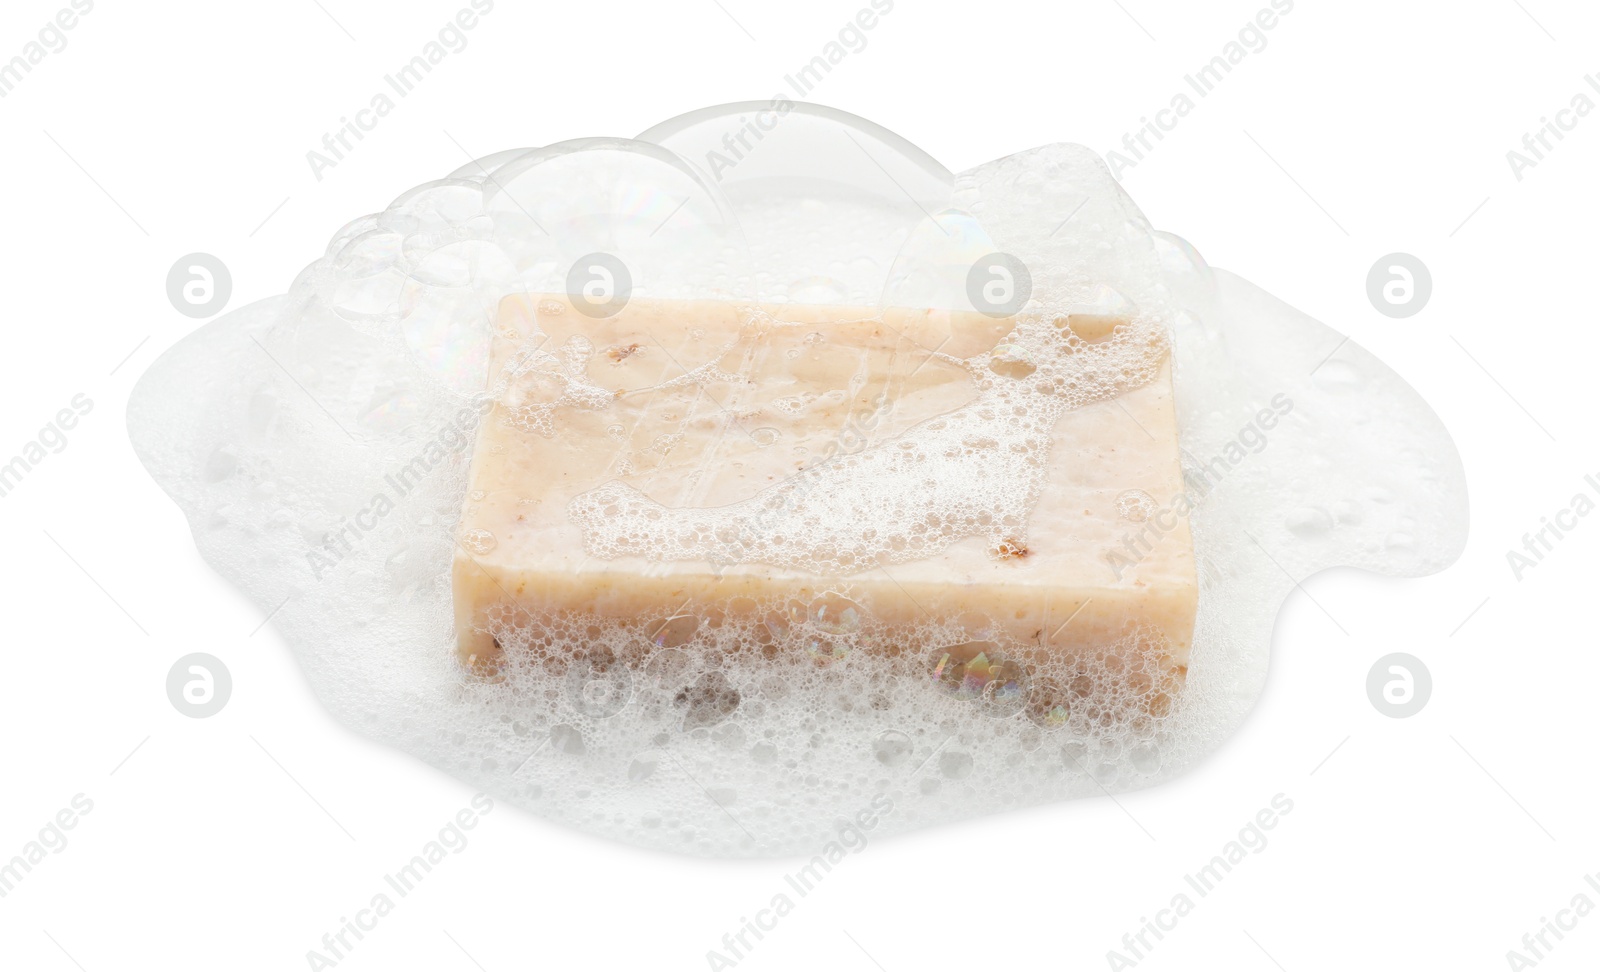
(712, 489)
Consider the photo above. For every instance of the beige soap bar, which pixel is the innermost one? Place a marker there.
(667, 408)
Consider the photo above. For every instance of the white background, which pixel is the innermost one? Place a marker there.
(1433, 842)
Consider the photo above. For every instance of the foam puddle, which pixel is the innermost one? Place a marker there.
(762, 725)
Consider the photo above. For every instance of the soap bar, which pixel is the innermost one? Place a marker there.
(681, 455)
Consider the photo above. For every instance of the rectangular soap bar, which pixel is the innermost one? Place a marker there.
(701, 405)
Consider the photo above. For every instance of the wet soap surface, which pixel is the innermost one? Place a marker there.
(340, 493)
(707, 451)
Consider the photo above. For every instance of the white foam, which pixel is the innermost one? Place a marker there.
(753, 728)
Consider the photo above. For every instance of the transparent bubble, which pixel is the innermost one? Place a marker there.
(892, 747)
(675, 632)
(1136, 505)
(955, 765)
(479, 541)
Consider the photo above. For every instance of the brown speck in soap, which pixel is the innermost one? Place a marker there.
(1009, 549)
(619, 354)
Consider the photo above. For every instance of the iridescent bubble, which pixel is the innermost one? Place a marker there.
(825, 651)
(445, 307)
(1048, 705)
(836, 615)
(977, 669)
(1006, 690)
